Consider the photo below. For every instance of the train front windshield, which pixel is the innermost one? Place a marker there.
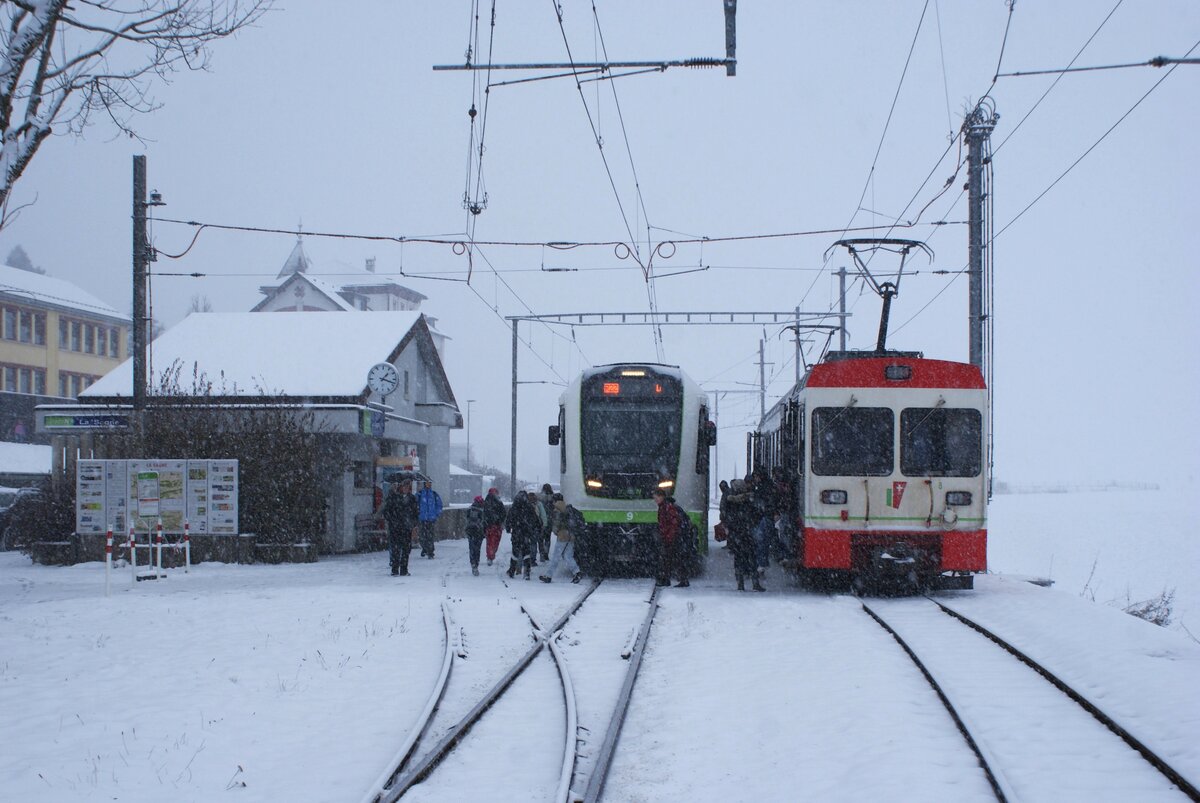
(941, 442)
(630, 433)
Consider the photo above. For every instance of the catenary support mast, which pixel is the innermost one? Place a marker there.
(977, 127)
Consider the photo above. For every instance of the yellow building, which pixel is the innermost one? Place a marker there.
(55, 341)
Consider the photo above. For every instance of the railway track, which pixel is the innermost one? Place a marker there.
(1028, 729)
(577, 765)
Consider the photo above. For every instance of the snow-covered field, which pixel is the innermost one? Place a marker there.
(299, 682)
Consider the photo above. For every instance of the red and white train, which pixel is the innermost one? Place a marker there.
(881, 458)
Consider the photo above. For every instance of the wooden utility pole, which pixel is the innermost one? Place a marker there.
(140, 264)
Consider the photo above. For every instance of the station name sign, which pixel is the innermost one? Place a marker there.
(86, 421)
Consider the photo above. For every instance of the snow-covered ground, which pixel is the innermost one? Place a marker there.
(299, 682)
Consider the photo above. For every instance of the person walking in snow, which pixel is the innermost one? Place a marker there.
(430, 508)
(400, 513)
(565, 523)
(475, 519)
(524, 524)
(670, 525)
(494, 516)
(547, 499)
(543, 514)
(741, 519)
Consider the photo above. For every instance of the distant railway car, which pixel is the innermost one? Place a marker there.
(624, 431)
(883, 457)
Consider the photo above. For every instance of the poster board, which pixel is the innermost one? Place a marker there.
(138, 493)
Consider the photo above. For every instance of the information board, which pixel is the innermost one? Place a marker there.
(139, 493)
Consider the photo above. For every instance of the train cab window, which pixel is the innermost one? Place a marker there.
(852, 441)
(941, 442)
(562, 441)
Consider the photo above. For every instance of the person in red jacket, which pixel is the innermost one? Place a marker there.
(669, 558)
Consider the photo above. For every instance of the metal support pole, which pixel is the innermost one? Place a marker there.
(798, 345)
(139, 282)
(842, 306)
(513, 464)
(978, 125)
(762, 383)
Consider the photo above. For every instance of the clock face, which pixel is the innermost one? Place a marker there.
(383, 378)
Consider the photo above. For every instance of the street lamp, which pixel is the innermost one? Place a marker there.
(468, 460)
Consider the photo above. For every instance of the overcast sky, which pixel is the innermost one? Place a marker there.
(330, 117)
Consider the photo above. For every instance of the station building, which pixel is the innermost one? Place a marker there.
(315, 360)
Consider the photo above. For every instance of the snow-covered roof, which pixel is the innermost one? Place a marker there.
(298, 354)
(324, 288)
(460, 471)
(297, 261)
(22, 285)
(24, 458)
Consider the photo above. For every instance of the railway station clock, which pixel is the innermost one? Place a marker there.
(383, 378)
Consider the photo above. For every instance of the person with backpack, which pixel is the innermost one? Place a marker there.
(524, 524)
(670, 541)
(494, 516)
(475, 519)
(430, 503)
(566, 523)
(400, 514)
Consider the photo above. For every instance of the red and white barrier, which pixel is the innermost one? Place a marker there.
(108, 562)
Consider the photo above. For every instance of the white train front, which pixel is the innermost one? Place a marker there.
(623, 431)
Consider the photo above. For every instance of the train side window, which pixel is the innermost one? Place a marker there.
(702, 442)
(853, 441)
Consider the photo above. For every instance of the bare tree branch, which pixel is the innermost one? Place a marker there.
(60, 64)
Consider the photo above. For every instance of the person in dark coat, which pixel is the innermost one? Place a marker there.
(524, 524)
(546, 497)
(741, 519)
(400, 514)
(475, 519)
(670, 553)
(494, 516)
(765, 503)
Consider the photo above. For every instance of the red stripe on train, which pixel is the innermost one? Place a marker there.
(963, 551)
(868, 372)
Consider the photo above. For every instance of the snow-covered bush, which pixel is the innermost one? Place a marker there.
(1156, 609)
(287, 461)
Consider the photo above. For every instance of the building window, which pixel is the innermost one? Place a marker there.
(39, 328)
(406, 391)
(62, 385)
(25, 376)
(10, 323)
(114, 342)
(89, 339)
(76, 335)
(63, 340)
(101, 338)
(10, 378)
(39, 381)
(25, 332)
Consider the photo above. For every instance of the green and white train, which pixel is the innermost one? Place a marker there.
(623, 431)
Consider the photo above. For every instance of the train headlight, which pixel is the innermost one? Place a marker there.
(667, 484)
(834, 497)
(594, 483)
(958, 498)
